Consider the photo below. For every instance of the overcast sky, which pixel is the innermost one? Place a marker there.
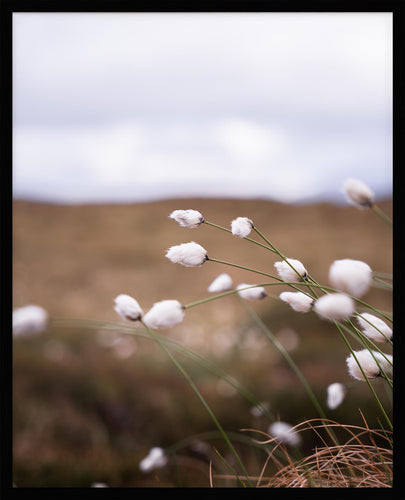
(112, 107)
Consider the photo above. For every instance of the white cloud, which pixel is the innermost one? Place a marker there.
(233, 104)
(249, 142)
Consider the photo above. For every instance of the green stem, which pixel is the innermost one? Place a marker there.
(387, 276)
(289, 360)
(381, 214)
(229, 231)
(200, 397)
(185, 351)
(383, 284)
(224, 294)
(283, 257)
(245, 268)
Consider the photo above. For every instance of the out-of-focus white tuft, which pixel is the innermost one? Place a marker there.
(351, 276)
(334, 306)
(29, 320)
(284, 433)
(155, 459)
(299, 301)
(336, 394)
(358, 193)
(257, 293)
(221, 283)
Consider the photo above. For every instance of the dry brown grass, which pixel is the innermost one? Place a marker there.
(363, 460)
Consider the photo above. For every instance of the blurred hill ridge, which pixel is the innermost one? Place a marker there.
(75, 259)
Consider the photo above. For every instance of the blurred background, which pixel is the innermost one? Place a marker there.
(120, 119)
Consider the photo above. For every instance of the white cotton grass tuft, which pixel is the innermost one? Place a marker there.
(299, 301)
(241, 226)
(369, 361)
(127, 307)
(187, 218)
(256, 293)
(334, 306)
(374, 328)
(335, 395)
(155, 459)
(284, 433)
(187, 254)
(351, 276)
(288, 273)
(358, 193)
(29, 320)
(221, 283)
(260, 409)
(164, 314)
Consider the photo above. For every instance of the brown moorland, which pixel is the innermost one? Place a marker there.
(84, 412)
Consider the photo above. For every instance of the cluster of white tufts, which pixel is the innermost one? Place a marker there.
(350, 279)
(163, 314)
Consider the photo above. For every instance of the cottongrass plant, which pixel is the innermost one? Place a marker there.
(340, 302)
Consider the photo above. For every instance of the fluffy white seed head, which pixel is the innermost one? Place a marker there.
(187, 218)
(299, 301)
(29, 320)
(351, 276)
(369, 363)
(127, 307)
(164, 314)
(335, 395)
(187, 254)
(221, 283)
(284, 433)
(334, 306)
(155, 459)
(374, 328)
(257, 293)
(241, 227)
(358, 193)
(287, 273)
